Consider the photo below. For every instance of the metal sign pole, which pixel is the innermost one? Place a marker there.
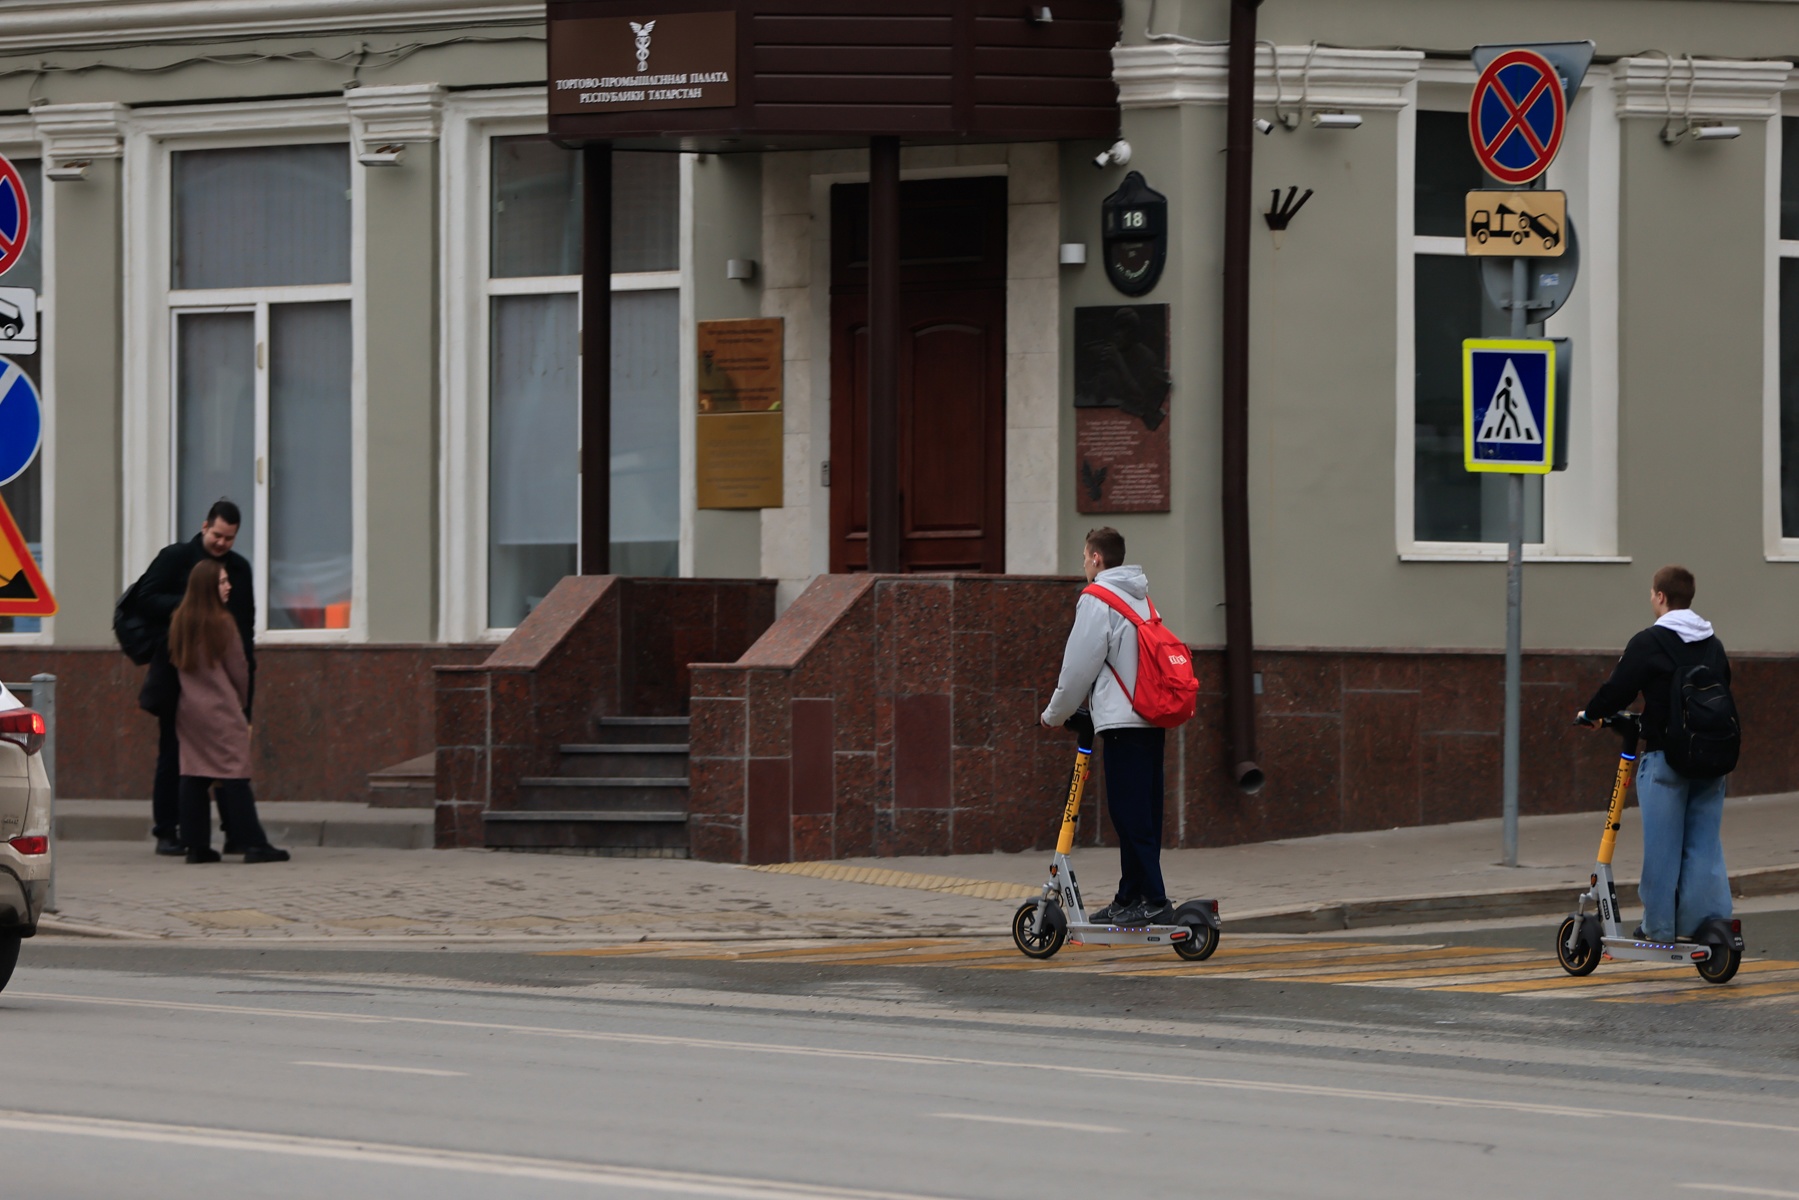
(1514, 604)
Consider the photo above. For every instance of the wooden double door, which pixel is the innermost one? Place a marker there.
(952, 375)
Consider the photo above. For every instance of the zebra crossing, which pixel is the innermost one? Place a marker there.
(1485, 970)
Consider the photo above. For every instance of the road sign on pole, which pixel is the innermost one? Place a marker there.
(1516, 224)
(21, 421)
(1509, 405)
(15, 216)
(23, 592)
(1518, 116)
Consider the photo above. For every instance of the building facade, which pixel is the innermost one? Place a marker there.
(323, 258)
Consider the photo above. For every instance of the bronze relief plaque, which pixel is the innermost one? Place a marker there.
(1122, 390)
(616, 64)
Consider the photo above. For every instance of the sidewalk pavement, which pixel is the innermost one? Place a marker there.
(348, 895)
(288, 823)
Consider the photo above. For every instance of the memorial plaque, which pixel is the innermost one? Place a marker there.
(737, 460)
(1122, 394)
(616, 64)
(740, 365)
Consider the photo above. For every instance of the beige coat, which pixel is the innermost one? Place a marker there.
(214, 736)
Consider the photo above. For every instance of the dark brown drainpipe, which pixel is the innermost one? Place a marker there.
(1239, 633)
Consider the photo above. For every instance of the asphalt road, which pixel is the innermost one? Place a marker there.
(179, 1071)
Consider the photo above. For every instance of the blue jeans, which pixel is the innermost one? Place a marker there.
(1684, 880)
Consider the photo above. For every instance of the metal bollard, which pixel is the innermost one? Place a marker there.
(43, 699)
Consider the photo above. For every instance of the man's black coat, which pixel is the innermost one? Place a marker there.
(164, 586)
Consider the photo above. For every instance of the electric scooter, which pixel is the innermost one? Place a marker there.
(1040, 926)
(1716, 948)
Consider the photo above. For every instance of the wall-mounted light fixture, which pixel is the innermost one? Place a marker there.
(390, 155)
(1118, 154)
(72, 170)
(740, 268)
(1039, 14)
(1073, 254)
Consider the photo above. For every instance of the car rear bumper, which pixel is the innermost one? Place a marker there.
(23, 892)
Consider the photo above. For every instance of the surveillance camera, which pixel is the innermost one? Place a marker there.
(1118, 154)
(1715, 133)
(1264, 125)
(1336, 120)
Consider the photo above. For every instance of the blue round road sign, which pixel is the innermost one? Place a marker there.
(21, 421)
(15, 216)
(1517, 117)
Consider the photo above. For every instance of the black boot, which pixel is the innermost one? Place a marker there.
(203, 854)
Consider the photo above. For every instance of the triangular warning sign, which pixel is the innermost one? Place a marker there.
(1509, 420)
(23, 592)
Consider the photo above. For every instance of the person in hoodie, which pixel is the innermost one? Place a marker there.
(1684, 880)
(1099, 673)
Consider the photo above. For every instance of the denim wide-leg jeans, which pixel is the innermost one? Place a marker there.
(1684, 880)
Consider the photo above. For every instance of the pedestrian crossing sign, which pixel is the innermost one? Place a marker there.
(1508, 405)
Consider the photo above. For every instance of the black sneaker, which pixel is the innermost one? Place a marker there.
(1146, 912)
(1109, 913)
(205, 854)
(262, 854)
(170, 847)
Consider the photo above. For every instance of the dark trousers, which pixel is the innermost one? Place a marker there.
(237, 812)
(1133, 764)
(165, 789)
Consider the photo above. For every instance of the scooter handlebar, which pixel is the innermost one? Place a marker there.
(1081, 724)
(1619, 722)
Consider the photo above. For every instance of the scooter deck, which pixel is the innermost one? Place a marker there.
(1645, 950)
(1127, 935)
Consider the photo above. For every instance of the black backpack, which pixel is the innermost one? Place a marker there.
(1704, 735)
(138, 638)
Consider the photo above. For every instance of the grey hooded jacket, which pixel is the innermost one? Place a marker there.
(1102, 636)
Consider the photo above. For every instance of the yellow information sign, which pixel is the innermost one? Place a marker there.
(1513, 224)
(737, 460)
(740, 365)
(23, 592)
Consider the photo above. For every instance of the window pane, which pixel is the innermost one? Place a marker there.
(25, 495)
(1446, 171)
(1789, 397)
(646, 482)
(309, 466)
(534, 455)
(1450, 504)
(1789, 178)
(215, 438)
(262, 217)
(537, 210)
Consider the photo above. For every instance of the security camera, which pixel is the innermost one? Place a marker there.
(1716, 133)
(1118, 154)
(1336, 120)
(1264, 125)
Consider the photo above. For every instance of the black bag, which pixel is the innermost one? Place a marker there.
(138, 638)
(161, 692)
(1704, 735)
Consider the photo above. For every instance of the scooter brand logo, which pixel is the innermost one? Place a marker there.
(643, 32)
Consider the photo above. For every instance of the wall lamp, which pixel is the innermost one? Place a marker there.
(72, 170)
(390, 155)
(740, 268)
(1118, 154)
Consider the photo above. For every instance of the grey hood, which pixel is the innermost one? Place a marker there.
(1099, 665)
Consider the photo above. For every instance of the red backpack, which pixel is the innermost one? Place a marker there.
(1167, 690)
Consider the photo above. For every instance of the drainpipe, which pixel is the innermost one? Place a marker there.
(1239, 633)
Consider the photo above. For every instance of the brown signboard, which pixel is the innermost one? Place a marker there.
(624, 64)
(1121, 394)
(740, 365)
(737, 460)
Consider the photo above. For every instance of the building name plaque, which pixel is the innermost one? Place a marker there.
(615, 64)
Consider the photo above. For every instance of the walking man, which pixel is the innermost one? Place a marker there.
(161, 590)
(1099, 673)
(1684, 880)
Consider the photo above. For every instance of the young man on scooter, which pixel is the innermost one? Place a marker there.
(1099, 673)
(1684, 880)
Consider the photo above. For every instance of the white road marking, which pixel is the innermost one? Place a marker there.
(372, 1067)
(1319, 1091)
(642, 1179)
(1073, 1125)
(1741, 1191)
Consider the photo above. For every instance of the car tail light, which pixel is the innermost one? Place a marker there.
(24, 726)
(31, 845)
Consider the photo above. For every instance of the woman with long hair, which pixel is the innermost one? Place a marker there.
(205, 648)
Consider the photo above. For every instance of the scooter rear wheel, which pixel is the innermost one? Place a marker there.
(1586, 953)
(1035, 943)
(1199, 943)
(1722, 966)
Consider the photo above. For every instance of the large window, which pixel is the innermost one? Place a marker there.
(1449, 504)
(533, 438)
(25, 495)
(260, 308)
(1789, 327)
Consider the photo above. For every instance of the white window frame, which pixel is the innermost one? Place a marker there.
(1580, 505)
(149, 467)
(472, 120)
(1778, 547)
(19, 139)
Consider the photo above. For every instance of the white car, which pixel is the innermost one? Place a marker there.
(24, 828)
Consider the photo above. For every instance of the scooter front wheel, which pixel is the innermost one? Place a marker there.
(1034, 942)
(1721, 966)
(1587, 950)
